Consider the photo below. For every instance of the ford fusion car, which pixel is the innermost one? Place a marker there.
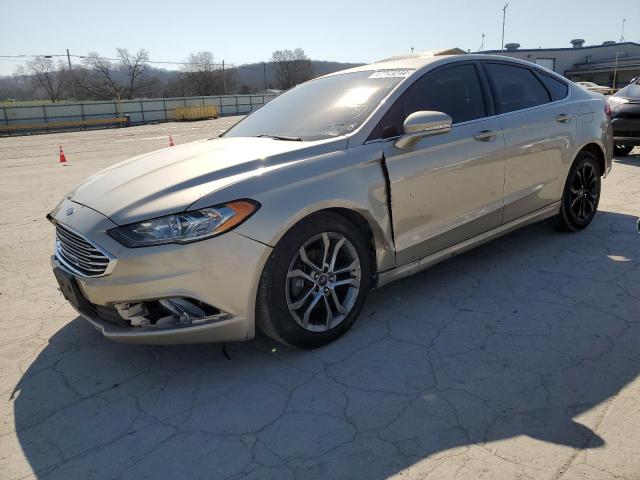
(338, 186)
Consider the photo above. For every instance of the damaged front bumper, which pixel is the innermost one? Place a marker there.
(166, 321)
(170, 294)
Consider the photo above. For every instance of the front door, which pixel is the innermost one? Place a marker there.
(446, 188)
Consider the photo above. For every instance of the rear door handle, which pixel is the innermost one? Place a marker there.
(563, 118)
(485, 135)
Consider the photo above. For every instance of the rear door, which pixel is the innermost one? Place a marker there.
(446, 188)
(539, 128)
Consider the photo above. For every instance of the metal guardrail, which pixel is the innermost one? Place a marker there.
(140, 111)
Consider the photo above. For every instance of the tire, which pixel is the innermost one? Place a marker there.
(622, 150)
(580, 197)
(291, 279)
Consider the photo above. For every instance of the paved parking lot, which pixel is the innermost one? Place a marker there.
(519, 359)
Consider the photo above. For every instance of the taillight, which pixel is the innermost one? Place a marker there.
(607, 109)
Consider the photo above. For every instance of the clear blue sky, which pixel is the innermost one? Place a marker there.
(352, 31)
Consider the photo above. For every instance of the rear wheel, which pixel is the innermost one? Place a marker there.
(315, 282)
(622, 150)
(581, 195)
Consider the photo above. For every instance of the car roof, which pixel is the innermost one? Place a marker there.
(407, 62)
(420, 60)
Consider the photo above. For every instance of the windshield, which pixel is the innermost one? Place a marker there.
(322, 108)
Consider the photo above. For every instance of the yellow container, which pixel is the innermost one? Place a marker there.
(196, 112)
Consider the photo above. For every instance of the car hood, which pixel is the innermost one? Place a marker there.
(170, 180)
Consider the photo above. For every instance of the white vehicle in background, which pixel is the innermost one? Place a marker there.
(594, 87)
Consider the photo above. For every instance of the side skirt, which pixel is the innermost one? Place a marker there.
(426, 262)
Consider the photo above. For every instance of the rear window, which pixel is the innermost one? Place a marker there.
(515, 88)
(630, 91)
(556, 88)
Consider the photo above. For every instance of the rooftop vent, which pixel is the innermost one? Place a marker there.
(577, 42)
(512, 46)
(609, 42)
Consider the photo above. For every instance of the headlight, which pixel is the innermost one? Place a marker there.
(616, 101)
(185, 227)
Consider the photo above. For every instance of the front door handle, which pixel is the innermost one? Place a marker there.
(563, 118)
(485, 135)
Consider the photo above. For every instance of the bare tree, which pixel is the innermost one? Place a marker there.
(99, 77)
(291, 67)
(45, 74)
(125, 78)
(203, 75)
(135, 66)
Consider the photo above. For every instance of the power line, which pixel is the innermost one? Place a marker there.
(82, 57)
(111, 59)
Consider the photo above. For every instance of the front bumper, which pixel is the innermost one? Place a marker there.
(222, 272)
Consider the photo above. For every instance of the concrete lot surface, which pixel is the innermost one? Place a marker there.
(518, 360)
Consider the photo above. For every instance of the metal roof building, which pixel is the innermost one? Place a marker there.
(591, 63)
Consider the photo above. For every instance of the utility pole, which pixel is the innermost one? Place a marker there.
(615, 71)
(73, 77)
(264, 75)
(482, 44)
(411, 50)
(504, 16)
(224, 80)
(622, 34)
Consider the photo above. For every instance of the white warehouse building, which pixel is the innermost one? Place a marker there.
(590, 63)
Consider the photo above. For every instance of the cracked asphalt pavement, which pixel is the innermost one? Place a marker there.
(517, 360)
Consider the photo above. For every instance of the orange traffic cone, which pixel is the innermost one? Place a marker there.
(63, 159)
(171, 144)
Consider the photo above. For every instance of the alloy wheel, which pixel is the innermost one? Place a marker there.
(584, 193)
(323, 281)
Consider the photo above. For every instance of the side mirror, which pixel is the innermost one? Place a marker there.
(423, 124)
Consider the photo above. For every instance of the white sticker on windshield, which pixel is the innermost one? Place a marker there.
(391, 74)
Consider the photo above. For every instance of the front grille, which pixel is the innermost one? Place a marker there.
(80, 255)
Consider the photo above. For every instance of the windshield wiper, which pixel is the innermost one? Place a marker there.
(281, 137)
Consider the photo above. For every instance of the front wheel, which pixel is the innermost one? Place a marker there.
(315, 282)
(581, 195)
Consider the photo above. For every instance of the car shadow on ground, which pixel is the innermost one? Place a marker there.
(632, 159)
(516, 338)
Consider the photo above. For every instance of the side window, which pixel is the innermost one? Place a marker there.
(556, 88)
(454, 90)
(515, 88)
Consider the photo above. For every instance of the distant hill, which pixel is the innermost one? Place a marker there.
(248, 78)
